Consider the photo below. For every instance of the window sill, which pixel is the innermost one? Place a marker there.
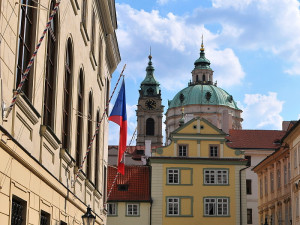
(28, 109)
(132, 215)
(179, 215)
(216, 184)
(84, 34)
(48, 134)
(75, 6)
(93, 60)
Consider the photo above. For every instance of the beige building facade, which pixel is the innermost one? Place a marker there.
(45, 136)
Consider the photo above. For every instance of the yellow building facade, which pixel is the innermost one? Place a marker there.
(198, 179)
(44, 138)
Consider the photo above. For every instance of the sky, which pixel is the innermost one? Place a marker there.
(253, 47)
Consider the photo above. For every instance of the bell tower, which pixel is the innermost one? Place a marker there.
(149, 110)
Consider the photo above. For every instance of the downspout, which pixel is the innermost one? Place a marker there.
(240, 173)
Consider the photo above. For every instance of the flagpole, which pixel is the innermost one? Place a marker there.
(98, 127)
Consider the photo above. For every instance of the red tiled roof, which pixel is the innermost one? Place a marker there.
(255, 139)
(138, 180)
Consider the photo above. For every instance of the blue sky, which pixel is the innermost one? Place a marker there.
(253, 47)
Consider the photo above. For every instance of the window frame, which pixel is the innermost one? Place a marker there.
(168, 175)
(249, 216)
(89, 135)
(215, 204)
(248, 186)
(114, 209)
(18, 202)
(176, 204)
(150, 127)
(186, 146)
(213, 174)
(211, 149)
(133, 214)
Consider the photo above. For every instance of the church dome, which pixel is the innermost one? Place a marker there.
(202, 94)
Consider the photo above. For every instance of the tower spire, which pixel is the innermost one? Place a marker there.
(150, 56)
(202, 45)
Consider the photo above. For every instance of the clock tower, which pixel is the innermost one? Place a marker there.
(149, 110)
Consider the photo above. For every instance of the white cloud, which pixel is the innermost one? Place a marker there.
(175, 46)
(262, 111)
(162, 2)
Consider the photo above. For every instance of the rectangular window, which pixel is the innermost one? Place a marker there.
(18, 211)
(272, 181)
(173, 176)
(249, 187)
(215, 176)
(182, 150)
(278, 178)
(248, 157)
(216, 206)
(213, 151)
(266, 185)
(45, 218)
(173, 206)
(249, 216)
(295, 158)
(133, 209)
(285, 175)
(112, 209)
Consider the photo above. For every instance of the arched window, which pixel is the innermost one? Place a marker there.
(26, 40)
(150, 126)
(50, 79)
(80, 98)
(67, 97)
(84, 13)
(89, 136)
(203, 77)
(97, 157)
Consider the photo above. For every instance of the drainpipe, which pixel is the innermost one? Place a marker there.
(240, 173)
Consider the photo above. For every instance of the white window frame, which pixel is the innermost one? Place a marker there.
(132, 209)
(182, 150)
(216, 177)
(113, 207)
(172, 174)
(219, 206)
(173, 206)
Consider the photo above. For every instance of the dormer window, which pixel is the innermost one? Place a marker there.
(214, 151)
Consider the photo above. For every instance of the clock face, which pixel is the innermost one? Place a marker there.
(150, 104)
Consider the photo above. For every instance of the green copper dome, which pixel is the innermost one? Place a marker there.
(202, 95)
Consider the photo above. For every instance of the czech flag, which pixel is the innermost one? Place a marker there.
(119, 116)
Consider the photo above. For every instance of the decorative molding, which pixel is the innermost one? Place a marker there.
(66, 157)
(75, 6)
(97, 194)
(26, 109)
(49, 135)
(93, 61)
(89, 185)
(84, 34)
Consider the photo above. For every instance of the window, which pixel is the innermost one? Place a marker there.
(93, 34)
(272, 181)
(173, 206)
(215, 176)
(278, 178)
(289, 171)
(266, 185)
(216, 206)
(182, 150)
(249, 216)
(18, 211)
(133, 209)
(26, 41)
(295, 158)
(150, 126)
(89, 136)
(203, 77)
(107, 96)
(285, 178)
(79, 119)
(45, 218)
(249, 187)
(173, 176)
(213, 151)
(297, 206)
(67, 97)
(84, 13)
(112, 209)
(248, 157)
(100, 59)
(50, 77)
(97, 158)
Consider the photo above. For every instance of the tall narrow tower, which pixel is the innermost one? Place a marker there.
(149, 110)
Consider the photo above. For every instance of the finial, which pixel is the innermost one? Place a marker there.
(150, 56)
(202, 46)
